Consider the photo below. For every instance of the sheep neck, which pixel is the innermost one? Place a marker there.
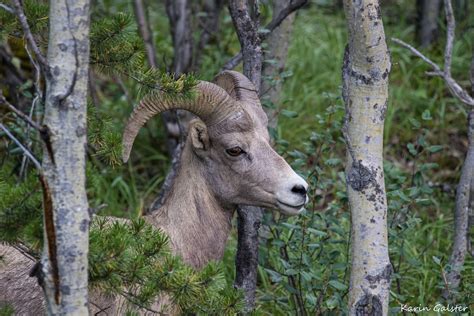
(197, 224)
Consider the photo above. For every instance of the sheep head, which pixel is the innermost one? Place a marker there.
(230, 144)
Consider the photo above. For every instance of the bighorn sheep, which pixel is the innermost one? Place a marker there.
(227, 160)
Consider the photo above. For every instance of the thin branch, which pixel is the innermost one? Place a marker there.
(19, 144)
(437, 69)
(20, 114)
(453, 86)
(29, 36)
(451, 26)
(282, 15)
(270, 27)
(7, 8)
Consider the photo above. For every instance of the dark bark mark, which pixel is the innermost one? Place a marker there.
(369, 305)
(384, 275)
(359, 176)
(37, 271)
(45, 134)
(50, 235)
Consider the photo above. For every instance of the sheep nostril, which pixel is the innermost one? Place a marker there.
(299, 189)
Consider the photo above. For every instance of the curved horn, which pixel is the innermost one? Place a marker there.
(210, 101)
(238, 86)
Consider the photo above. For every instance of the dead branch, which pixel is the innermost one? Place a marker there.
(19, 144)
(20, 114)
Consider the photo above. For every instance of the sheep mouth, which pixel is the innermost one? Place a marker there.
(290, 209)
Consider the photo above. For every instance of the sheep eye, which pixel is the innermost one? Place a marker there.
(234, 151)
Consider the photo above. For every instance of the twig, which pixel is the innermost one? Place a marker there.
(453, 86)
(29, 36)
(24, 161)
(451, 26)
(19, 144)
(7, 8)
(437, 69)
(270, 27)
(20, 114)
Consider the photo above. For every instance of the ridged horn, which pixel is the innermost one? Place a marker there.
(210, 102)
(238, 86)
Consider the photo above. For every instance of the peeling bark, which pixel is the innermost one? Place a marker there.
(277, 51)
(64, 260)
(365, 92)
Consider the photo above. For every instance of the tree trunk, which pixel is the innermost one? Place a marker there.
(427, 24)
(66, 217)
(246, 27)
(276, 51)
(179, 13)
(145, 32)
(210, 27)
(365, 92)
(461, 215)
(464, 205)
(249, 218)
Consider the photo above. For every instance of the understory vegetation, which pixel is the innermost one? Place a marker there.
(304, 262)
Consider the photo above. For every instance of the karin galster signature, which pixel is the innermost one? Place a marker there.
(440, 308)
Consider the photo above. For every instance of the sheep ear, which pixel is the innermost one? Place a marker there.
(199, 136)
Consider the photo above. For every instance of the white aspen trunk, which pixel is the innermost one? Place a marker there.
(365, 91)
(66, 218)
(277, 50)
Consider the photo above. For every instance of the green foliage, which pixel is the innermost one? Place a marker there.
(37, 15)
(133, 260)
(103, 136)
(6, 310)
(116, 49)
(20, 210)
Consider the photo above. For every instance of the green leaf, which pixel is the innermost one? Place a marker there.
(288, 113)
(274, 276)
(414, 123)
(333, 302)
(317, 232)
(333, 162)
(338, 285)
(426, 116)
(411, 149)
(435, 148)
(437, 260)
